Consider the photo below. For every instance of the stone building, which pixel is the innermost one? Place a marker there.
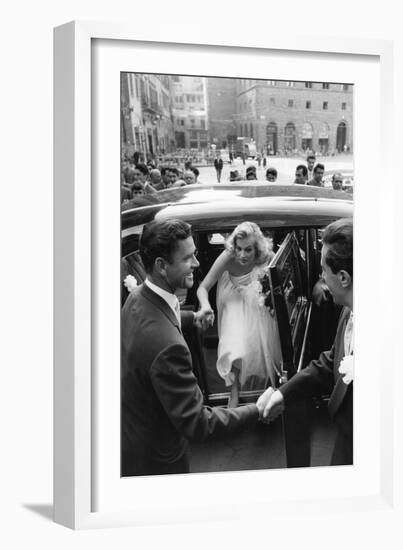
(221, 101)
(146, 115)
(189, 112)
(285, 117)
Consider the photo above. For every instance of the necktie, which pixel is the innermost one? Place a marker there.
(349, 336)
(177, 312)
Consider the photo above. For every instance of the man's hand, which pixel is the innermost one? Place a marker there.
(204, 318)
(270, 405)
(264, 400)
(320, 292)
(347, 368)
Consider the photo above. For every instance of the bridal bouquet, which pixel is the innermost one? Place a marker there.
(265, 299)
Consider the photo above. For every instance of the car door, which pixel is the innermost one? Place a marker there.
(288, 273)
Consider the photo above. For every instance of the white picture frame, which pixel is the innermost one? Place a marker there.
(80, 483)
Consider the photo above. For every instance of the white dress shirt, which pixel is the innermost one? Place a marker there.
(349, 336)
(169, 298)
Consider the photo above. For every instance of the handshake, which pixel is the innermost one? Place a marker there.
(270, 405)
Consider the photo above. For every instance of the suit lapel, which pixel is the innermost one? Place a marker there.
(340, 388)
(161, 304)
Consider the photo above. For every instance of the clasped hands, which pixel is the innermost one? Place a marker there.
(204, 318)
(270, 405)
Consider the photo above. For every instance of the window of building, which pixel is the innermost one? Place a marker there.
(182, 122)
(272, 82)
(272, 100)
(137, 86)
(343, 106)
(192, 122)
(345, 87)
(325, 85)
(203, 124)
(291, 103)
(307, 105)
(291, 84)
(308, 85)
(325, 105)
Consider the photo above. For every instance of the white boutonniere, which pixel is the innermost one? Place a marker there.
(130, 283)
(347, 368)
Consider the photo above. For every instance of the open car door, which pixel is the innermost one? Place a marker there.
(287, 272)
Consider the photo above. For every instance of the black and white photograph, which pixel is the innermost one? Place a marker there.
(237, 338)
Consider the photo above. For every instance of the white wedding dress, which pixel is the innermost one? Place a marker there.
(248, 334)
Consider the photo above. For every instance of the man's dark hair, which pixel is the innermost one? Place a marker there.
(311, 156)
(318, 166)
(338, 237)
(173, 169)
(272, 172)
(143, 169)
(159, 240)
(303, 168)
(195, 171)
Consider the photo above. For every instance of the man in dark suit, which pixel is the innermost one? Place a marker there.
(332, 373)
(162, 404)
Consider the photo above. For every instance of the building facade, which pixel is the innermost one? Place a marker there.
(189, 112)
(222, 101)
(146, 115)
(288, 117)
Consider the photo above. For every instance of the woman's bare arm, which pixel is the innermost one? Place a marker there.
(215, 272)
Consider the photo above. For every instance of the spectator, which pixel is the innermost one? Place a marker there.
(218, 165)
(251, 173)
(234, 175)
(155, 178)
(141, 176)
(337, 181)
(301, 174)
(310, 160)
(271, 175)
(137, 189)
(169, 175)
(318, 172)
(196, 173)
(189, 177)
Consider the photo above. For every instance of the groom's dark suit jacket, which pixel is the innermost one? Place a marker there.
(162, 404)
(322, 377)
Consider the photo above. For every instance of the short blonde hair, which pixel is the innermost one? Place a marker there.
(248, 229)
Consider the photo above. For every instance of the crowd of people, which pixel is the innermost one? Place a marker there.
(162, 405)
(139, 178)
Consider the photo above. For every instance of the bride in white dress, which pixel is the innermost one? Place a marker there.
(249, 347)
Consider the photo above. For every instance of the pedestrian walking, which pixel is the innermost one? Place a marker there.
(218, 165)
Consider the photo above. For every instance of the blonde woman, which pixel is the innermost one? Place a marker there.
(249, 347)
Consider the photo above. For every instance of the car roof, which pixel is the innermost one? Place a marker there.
(225, 205)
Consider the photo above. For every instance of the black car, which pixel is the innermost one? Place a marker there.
(293, 216)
